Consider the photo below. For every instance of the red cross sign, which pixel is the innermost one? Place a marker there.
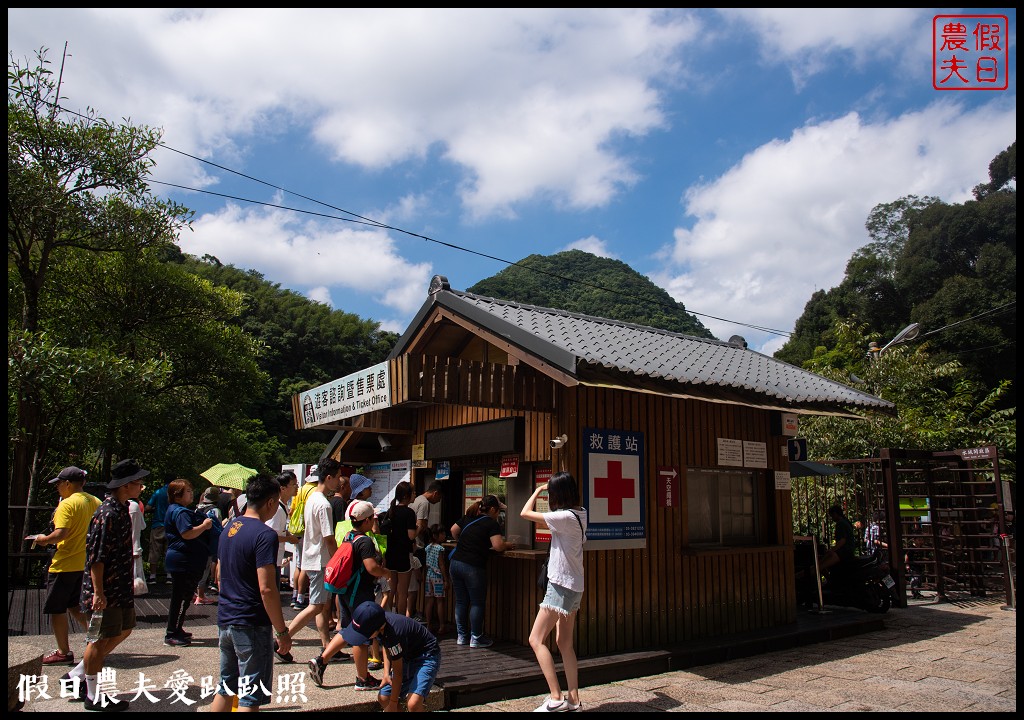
(614, 488)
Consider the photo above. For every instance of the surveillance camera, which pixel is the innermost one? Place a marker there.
(385, 444)
(559, 441)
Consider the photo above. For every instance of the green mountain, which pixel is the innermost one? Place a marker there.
(580, 282)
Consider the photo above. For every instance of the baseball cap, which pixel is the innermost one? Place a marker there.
(359, 511)
(367, 619)
(71, 474)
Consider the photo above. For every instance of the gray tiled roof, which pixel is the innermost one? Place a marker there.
(578, 344)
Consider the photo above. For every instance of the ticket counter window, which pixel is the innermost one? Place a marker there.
(513, 492)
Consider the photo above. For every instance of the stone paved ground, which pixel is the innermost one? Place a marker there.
(931, 657)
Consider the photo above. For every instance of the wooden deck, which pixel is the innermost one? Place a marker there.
(506, 670)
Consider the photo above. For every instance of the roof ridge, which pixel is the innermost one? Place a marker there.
(594, 318)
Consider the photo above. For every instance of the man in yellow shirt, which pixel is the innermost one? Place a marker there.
(64, 585)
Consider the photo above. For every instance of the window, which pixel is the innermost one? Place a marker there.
(721, 507)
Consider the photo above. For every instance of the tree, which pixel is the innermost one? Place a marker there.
(578, 281)
(938, 405)
(949, 267)
(74, 182)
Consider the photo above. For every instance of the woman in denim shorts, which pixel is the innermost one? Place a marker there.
(567, 523)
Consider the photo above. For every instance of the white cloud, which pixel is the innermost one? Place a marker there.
(320, 294)
(591, 244)
(810, 40)
(784, 221)
(525, 102)
(324, 261)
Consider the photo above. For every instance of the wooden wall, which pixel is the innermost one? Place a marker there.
(667, 592)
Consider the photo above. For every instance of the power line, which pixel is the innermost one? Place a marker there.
(359, 219)
(996, 310)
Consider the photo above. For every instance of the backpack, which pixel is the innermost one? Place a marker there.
(384, 523)
(341, 576)
(215, 530)
(296, 522)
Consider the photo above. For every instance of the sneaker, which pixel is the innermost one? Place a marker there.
(111, 705)
(57, 657)
(375, 664)
(176, 641)
(550, 705)
(462, 640)
(205, 601)
(480, 641)
(316, 670)
(285, 657)
(370, 683)
(82, 690)
(183, 634)
(563, 705)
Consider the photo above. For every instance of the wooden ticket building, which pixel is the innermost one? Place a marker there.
(679, 444)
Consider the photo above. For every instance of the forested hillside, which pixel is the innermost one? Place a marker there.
(583, 283)
(303, 343)
(950, 267)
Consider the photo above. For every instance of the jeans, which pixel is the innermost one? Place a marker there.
(246, 663)
(183, 587)
(418, 675)
(470, 585)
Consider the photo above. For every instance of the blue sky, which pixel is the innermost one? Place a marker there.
(732, 156)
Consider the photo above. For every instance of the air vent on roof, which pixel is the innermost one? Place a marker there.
(738, 341)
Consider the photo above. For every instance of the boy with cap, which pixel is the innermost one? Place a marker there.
(367, 560)
(412, 655)
(64, 581)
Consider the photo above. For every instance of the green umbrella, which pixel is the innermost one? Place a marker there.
(228, 475)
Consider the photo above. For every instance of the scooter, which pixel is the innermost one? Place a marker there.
(864, 582)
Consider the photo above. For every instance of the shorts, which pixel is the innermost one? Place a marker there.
(63, 591)
(398, 562)
(417, 676)
(318, 595)
(434, 587)
(561, 599)
(345, 610)
(109, 623)
(246, 653)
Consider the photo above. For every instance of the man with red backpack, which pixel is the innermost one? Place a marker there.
(368, 565)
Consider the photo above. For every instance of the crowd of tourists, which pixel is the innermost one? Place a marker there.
(243, 551)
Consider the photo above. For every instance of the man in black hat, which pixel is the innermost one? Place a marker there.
(108, 592)
(64, 583)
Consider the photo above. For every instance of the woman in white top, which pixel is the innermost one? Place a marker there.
(567, 523)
